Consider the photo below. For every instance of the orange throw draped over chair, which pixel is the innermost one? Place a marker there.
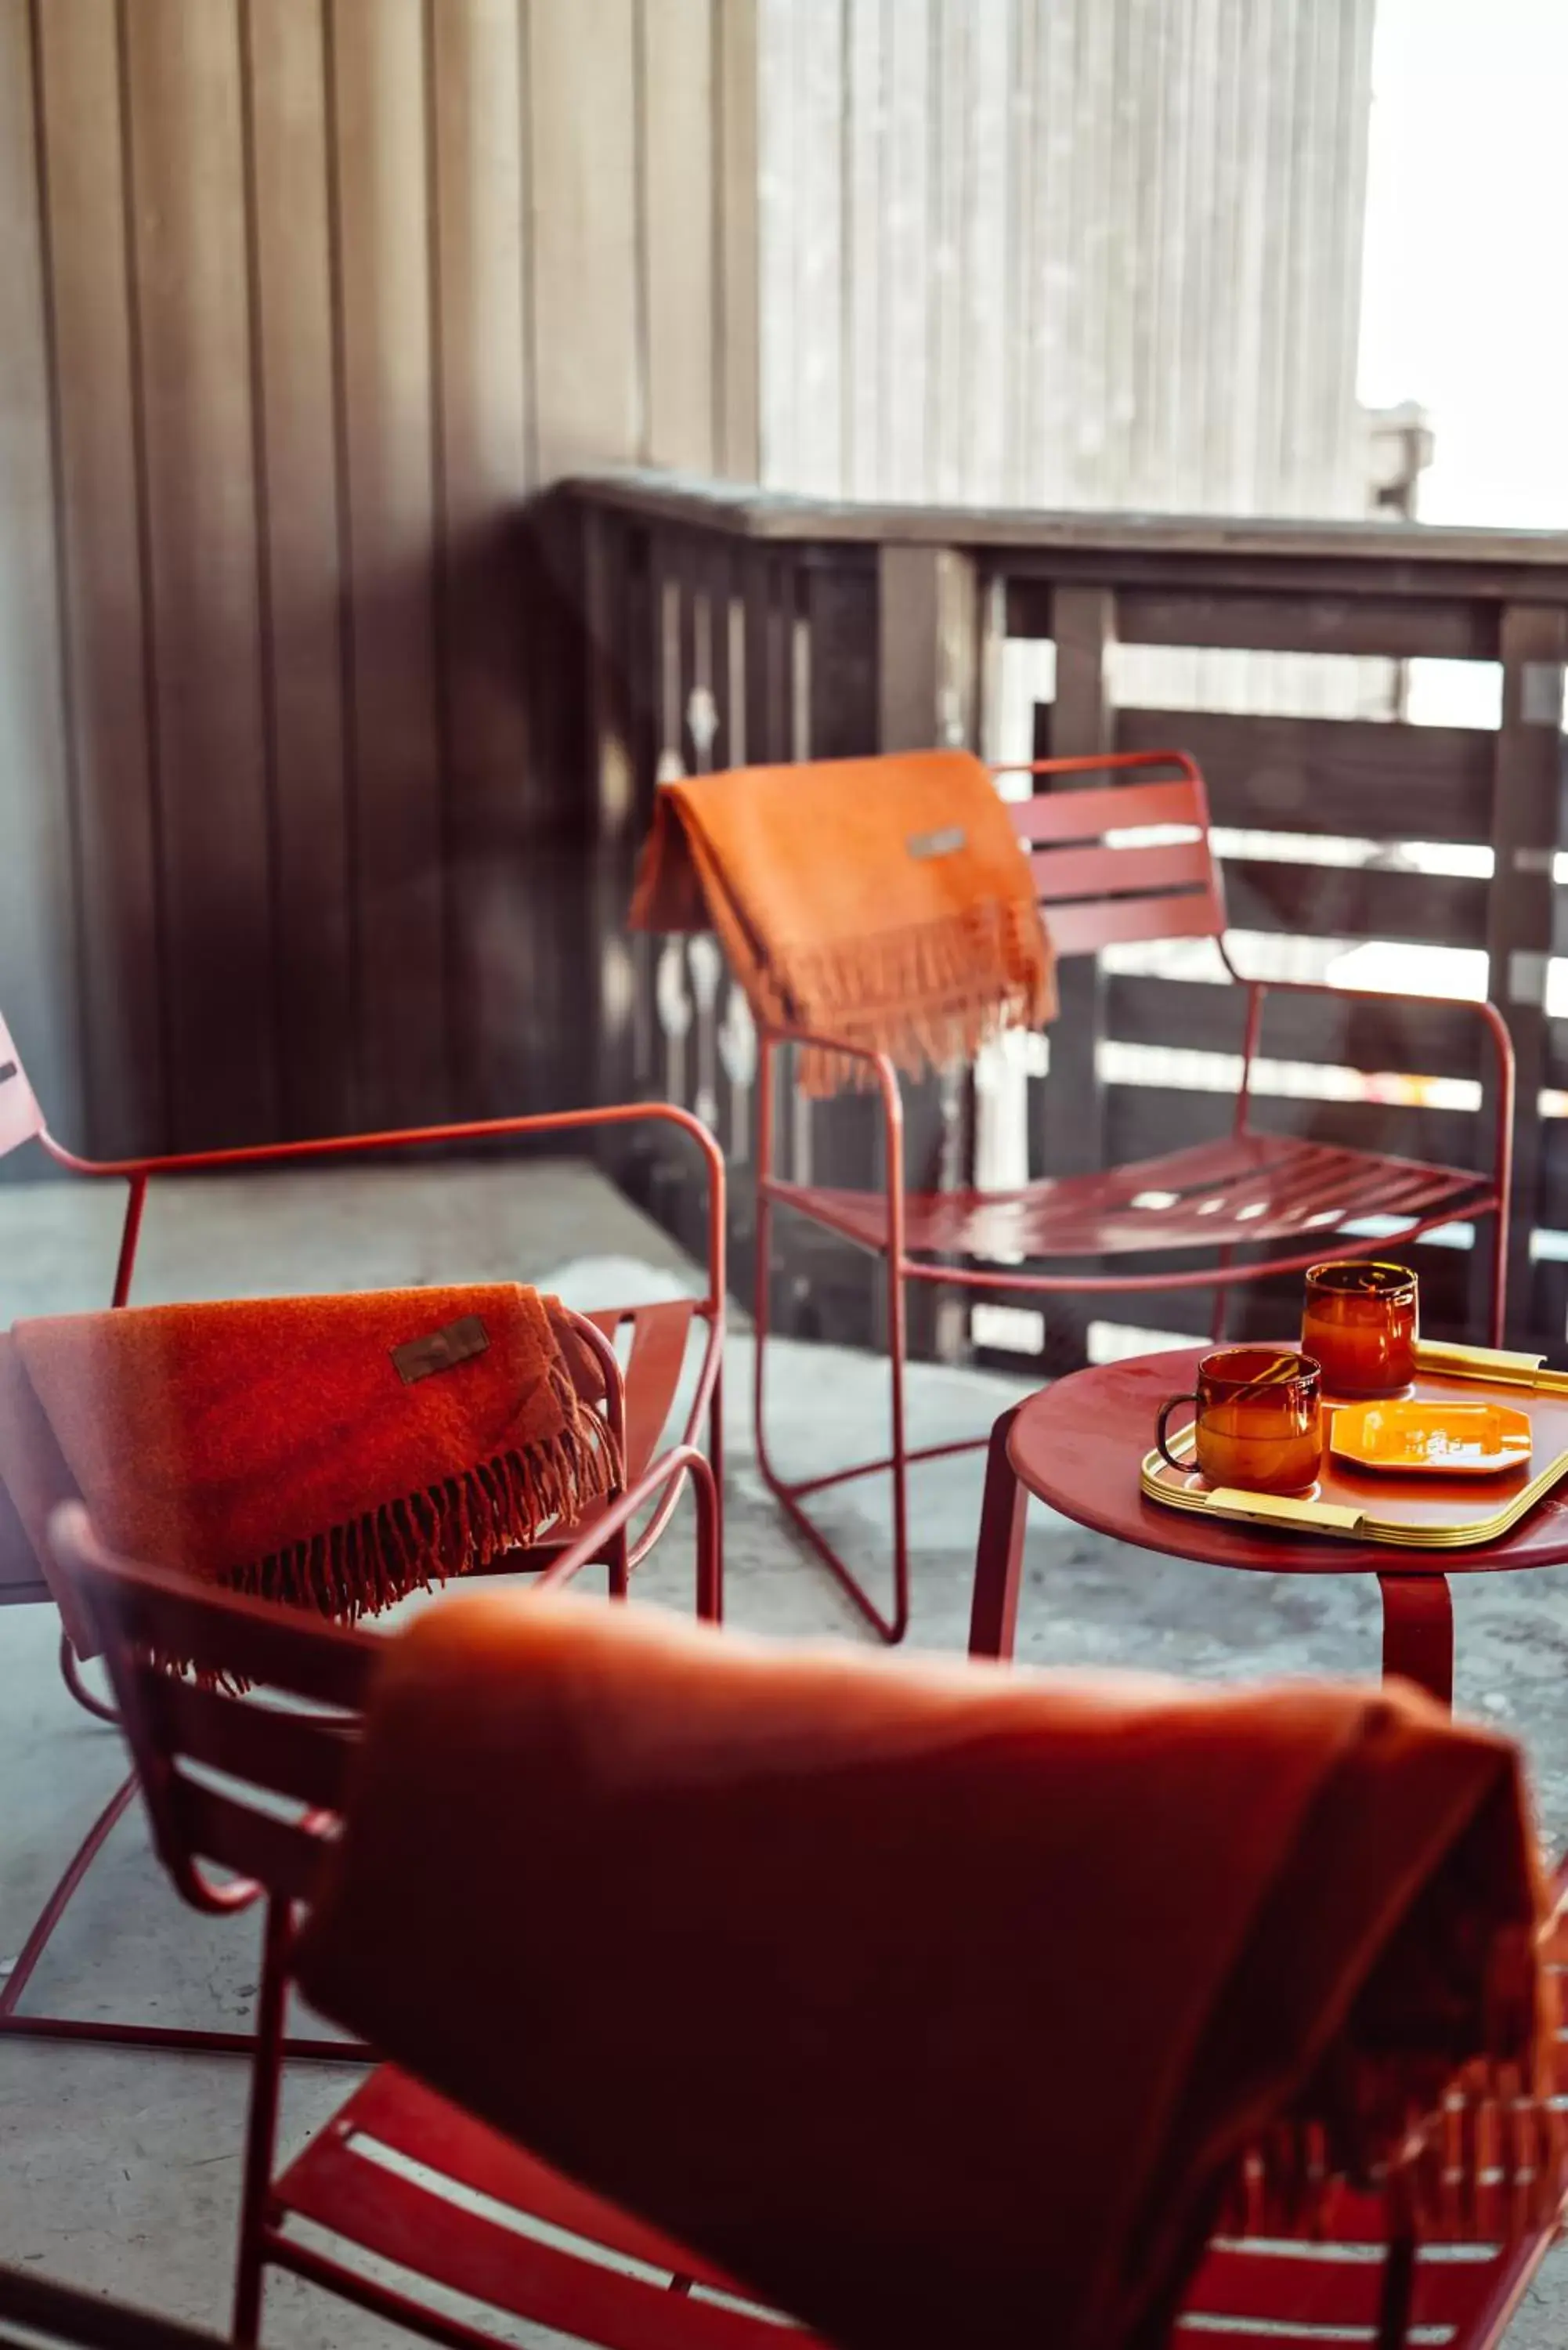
(885, 902)
(938, 2003)
(332, 1451)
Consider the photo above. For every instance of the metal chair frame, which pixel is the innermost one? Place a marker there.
(1367, 2277)
(1095, 893)
(639, 1405)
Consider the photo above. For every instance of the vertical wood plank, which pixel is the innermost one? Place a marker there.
(1070, 1138)
(676, 197)
(582, 132)
(498, 824)
(189, 234)
(107, 623)
(284, 56)
(1084, 624)
(38, 990)
(929, 635)
(738, 266)
(390, 454)
(1520, 903)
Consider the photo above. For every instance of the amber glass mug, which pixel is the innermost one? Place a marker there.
(1259, 1423)
(1360, 1323)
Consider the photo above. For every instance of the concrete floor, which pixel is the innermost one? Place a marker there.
(121, 2172)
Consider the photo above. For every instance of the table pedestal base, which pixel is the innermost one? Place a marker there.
(1418, 1633)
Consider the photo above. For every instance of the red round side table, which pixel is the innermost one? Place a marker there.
(1078, 1446)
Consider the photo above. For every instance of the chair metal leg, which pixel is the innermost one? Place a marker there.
(1500, 1275)
(54, 1908)
(896, 1461)
(261, 2121)
(716, 1449)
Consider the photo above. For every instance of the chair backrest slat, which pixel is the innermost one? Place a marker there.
(1090, 815)
(143, 1617)
(244, 1639)
(294, 1754)
(1108, 922)
(1064, 874)
(282, 1855)
(1102, 882)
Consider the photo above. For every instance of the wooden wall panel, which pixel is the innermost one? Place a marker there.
(301, 300)
(186, 194)
(482, 276)
(302, 520)
(676, 207)
(102, 534)
(389, 457)
(36, 896)
(589, 337)
(1091, 252)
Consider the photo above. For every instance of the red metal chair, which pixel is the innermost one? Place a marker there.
(398, 2173)
(1284, 1200)
(656, 1339)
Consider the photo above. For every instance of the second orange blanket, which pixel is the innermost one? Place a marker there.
(885, 901)
(937, 2002)
(337, 1451)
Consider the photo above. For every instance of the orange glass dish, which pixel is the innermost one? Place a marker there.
(1426, 1438)
(1360, 1323)
(1259, 1423)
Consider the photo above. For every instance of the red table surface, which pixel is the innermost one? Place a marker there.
(1079, 1445)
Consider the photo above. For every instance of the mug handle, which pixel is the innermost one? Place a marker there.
(1167, 1455)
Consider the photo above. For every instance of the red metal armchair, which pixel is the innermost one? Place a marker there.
(1282, 1200)
(658, 1341)
(402, 2175)
(434, 2225)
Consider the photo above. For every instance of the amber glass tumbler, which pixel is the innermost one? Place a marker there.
(1360, 1323)
(1259, 1426)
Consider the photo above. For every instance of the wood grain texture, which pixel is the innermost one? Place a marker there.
(391, 457)
(478, 189)
(679, 249)
(187, 198)
(303, 583)
(303, 299)
(38, 911)
(582, 136)
(108, 617)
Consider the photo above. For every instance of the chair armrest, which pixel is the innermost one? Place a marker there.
(1483, 1009)
(680, 1460)
(138, 1172)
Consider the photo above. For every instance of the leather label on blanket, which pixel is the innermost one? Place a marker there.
(945, 843)
(416, 1358)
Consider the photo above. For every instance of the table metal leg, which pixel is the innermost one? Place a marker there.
(999, 1558)
(1419, 1632)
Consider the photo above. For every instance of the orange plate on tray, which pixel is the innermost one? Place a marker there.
(1429, 1437)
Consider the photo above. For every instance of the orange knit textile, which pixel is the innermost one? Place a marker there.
(885, 901)
(275, 1446)
(939, 2002)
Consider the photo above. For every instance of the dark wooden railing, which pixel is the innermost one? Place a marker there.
(727, 626)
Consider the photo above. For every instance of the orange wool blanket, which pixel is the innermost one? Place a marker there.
(335, 1451)
(885, 901)
(939, 2002)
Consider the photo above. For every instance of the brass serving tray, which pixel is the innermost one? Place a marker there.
(1416, 1512)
